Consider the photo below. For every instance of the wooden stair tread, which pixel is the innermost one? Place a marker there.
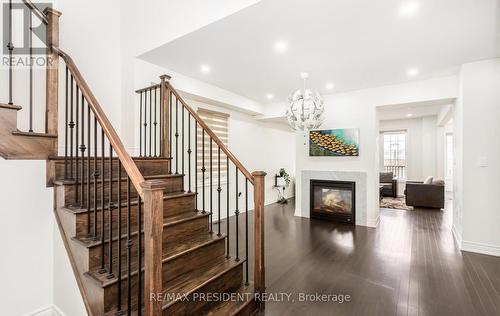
(106, 179)
(190, 282)
(188, 245)
(231, 308)
(166, 196)
(10, 106)
(169, 221)
(33, 134)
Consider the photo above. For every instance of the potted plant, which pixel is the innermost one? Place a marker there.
(284, 177)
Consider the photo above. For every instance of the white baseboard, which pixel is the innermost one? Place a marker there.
(486, 249)
(373, 223)
(457, 236)
(51, 310)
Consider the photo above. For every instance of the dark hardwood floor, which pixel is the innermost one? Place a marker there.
(409, 265)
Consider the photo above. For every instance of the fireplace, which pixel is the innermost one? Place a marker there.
(333, 200)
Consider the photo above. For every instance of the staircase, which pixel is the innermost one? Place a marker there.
(149, 235)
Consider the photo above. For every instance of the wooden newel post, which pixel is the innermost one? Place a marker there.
(52, 72)
(165, 104)
(153, 231)
(259, 269)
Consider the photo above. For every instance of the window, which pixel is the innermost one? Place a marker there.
(395, 153)
(218, 123)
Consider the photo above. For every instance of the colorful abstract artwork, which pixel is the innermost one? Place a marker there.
(334, 142)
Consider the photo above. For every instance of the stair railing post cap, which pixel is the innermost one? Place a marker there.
(259, 173)
(154, 185)
(165, 77)
(53, 11)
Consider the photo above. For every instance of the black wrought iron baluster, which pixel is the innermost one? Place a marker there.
(227, 206)
(10, 47)
(77, 147)
(183, 132)
(103, 206)
(176, 136)
(196, 165)
(31, 71)
(139, 256)
(89, 145)
(145, 124)
(155, 125)
(203, 169)
(140, 124)
(119, 258)
(82, 150)
(96, 178)
(71, 127)
(150, 122)
(219, 190)
(237, 216)
(246, 232)
(66, 124)
(161, 122)
(210, 190)
(110, 218)
(170, 129)
(189, 153)
(129, 250)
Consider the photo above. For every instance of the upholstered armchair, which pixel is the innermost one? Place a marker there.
(419, 194)
(389, 184)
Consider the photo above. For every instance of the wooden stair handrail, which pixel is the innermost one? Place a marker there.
(37, 11)
(216, 139)
(128, 164)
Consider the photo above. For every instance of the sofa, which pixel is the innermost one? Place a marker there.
(428, 195)
(389, 184)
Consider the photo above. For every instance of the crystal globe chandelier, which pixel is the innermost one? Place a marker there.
(305, 110)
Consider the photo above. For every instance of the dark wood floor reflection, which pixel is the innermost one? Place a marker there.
(409, 265)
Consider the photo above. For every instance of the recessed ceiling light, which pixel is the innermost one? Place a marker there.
(270, 96)
(280, 47)
(408, 8)
(205, 69)
(412, 72)
(409, 115)
(329, 86)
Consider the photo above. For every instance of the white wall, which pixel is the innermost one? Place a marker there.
(424, 146)
(26, 230)
(90, 33)
(477, 116)
(357, 109)
(67, 298)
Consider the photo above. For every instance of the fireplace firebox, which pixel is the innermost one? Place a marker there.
(333, 200)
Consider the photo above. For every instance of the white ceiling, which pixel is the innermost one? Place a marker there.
(355, 44)
(413, 110)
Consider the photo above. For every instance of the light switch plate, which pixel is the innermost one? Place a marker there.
(483, 162)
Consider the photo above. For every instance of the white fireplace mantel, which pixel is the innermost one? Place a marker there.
(358, 177)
